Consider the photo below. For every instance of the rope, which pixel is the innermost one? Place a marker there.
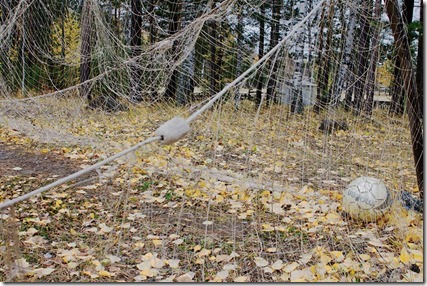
(77, 174)
(254, 66)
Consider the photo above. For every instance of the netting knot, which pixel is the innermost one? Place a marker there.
(172, 130)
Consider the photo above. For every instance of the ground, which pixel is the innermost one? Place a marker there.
(220, 205)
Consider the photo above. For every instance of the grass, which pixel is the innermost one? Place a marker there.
(216, 190)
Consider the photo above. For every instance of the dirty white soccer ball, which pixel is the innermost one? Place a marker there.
(366, 198)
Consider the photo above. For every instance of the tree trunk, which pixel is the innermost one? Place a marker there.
(274, 40)
(85, 52)
(324, 96)
(364, 43)
(370, 85)
(420, 67)
(239, 44)
(398, 94)
(297, 103)
(174, 24)
(259, 78)
(316, 107)
(219, 59)
(344, 70)
(135, 43)
(152, 31)
(409, 85)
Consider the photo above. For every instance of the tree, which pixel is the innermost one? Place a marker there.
(86, 52)
(175, 8)
(344, 70)
(397, 93)
(363, 53)
(259, 79)
(136, 43)
(320, 61)
(324, 96)
(239, 44)
(401, 43)
(297, 105)
(370, 87)
(274, 40)
(152, 39)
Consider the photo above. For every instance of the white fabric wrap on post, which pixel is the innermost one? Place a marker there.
(172, 130)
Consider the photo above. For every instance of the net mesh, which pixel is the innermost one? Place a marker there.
(252, 189)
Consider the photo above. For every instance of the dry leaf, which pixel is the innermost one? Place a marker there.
(40, 272)
(260, 262)
(151, 272)
(278, 264)
(404, 256)
(365, 257)
(173, 263)
(222, 274)
(241, 279)
(290, 267)
(113, 259)
(187, 277)
(104, 273)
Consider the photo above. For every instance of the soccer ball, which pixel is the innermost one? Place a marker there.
(366, 198)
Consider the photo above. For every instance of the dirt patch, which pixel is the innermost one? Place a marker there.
(15, 161)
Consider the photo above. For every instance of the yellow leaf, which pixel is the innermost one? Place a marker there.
(104, 273)
(157, 242)
(364, 257)
(151, 272)
(204, 252)
(337, 256)
(404, 256)
(241, 279)
(417, 255)
(197, 248)
(324, 258)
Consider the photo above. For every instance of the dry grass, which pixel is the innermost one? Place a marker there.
(233, 190)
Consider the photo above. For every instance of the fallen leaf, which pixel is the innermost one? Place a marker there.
(241, 279)
(260, 262)
(337, 256)
(229, 266)
(113, 259)
(365, 257)
(187, 277)
(222, 274)
(178, 241)
(104, 228)
(40, 272)
(173, 263)
(104, 273)
(150, 272)
(290, 267)
(278, 264)
(404, 256)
